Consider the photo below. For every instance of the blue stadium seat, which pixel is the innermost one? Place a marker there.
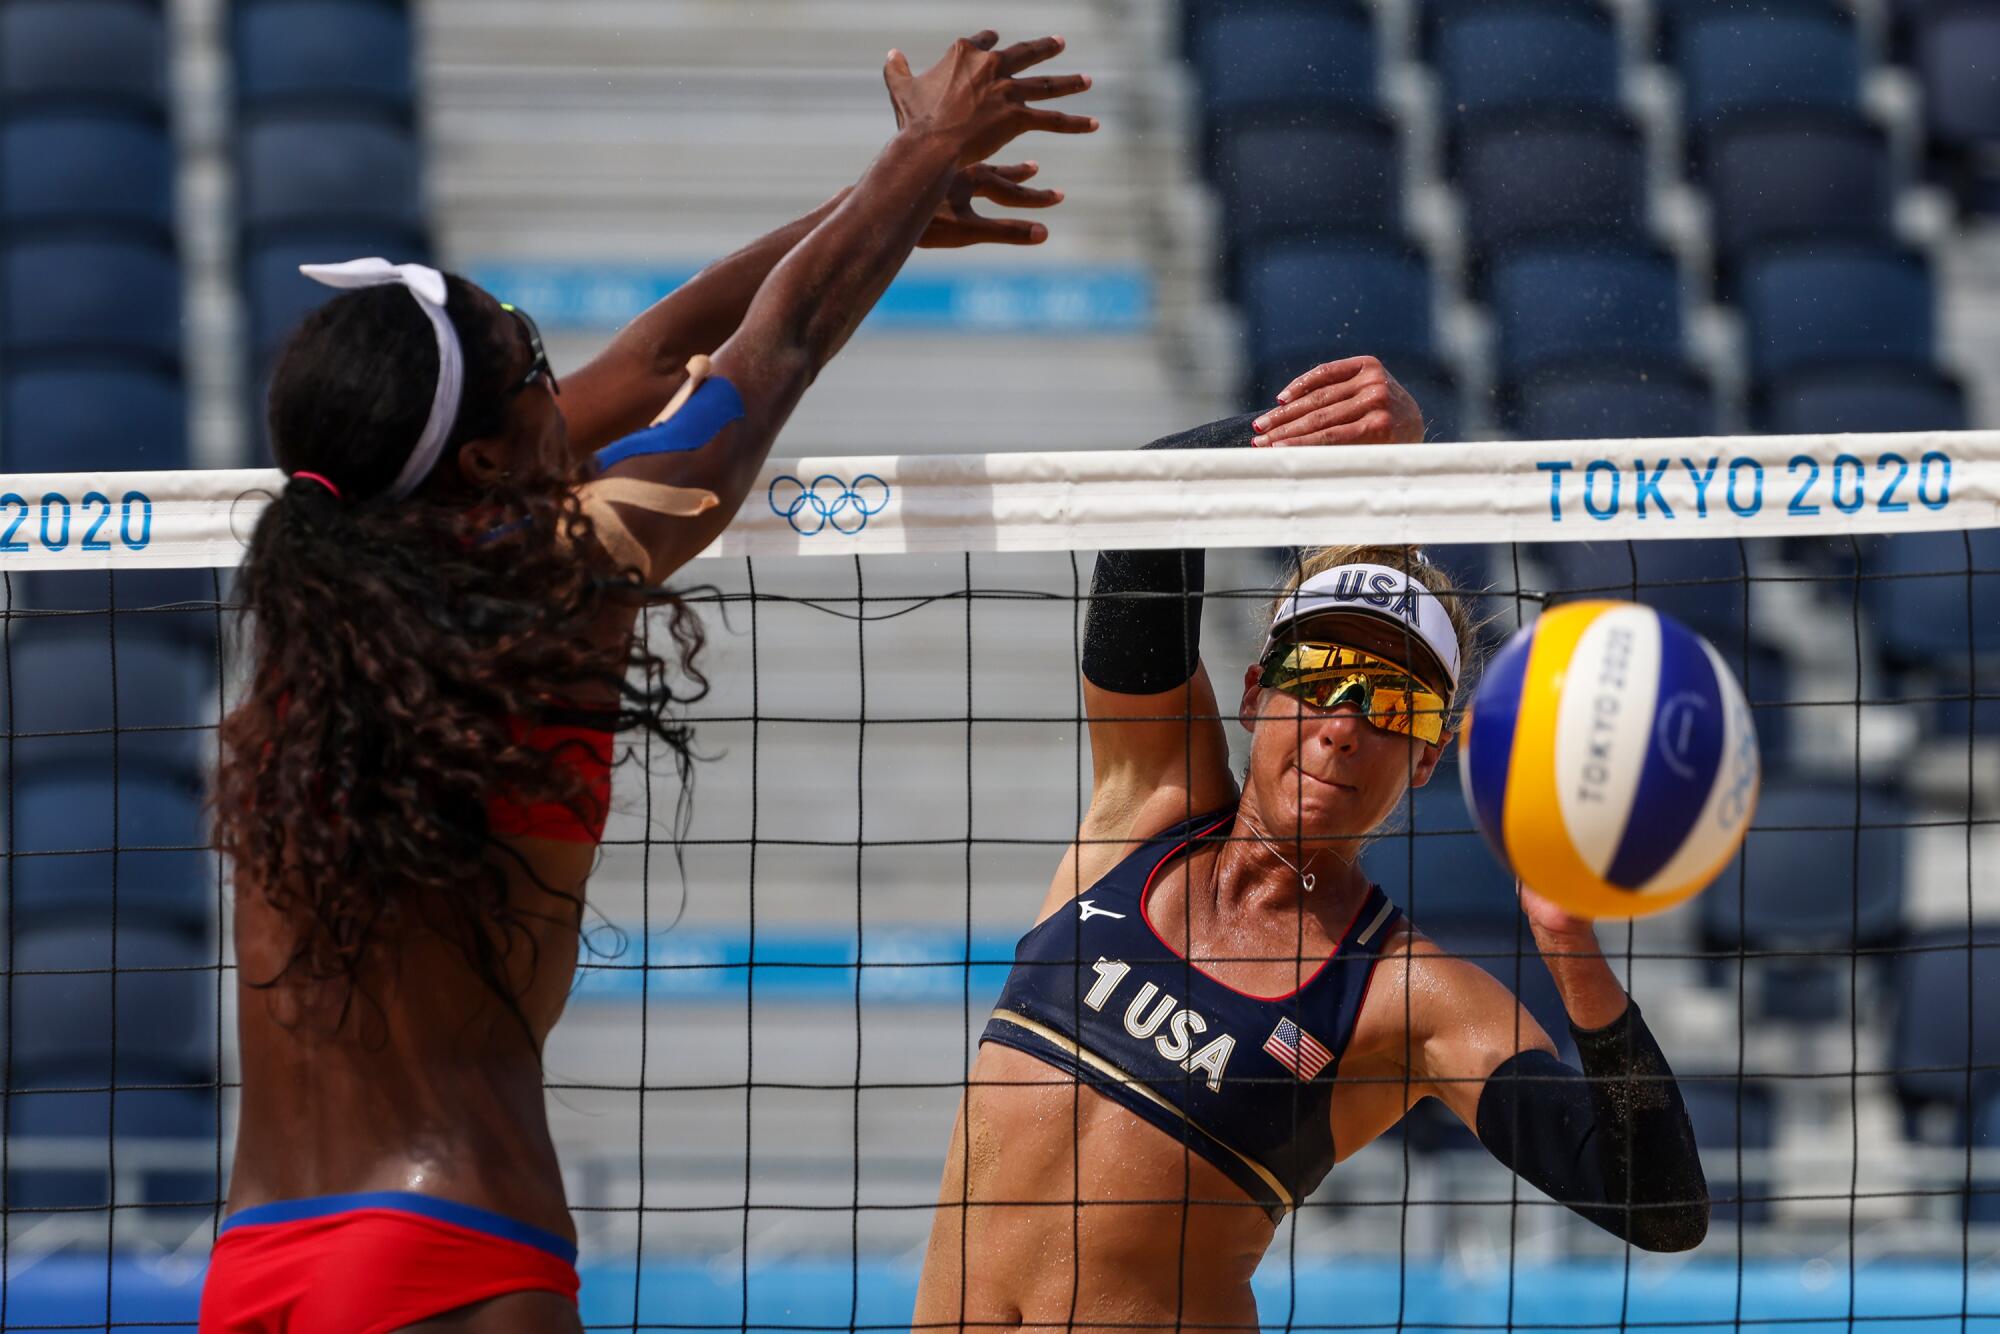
(1984, 1204)
(141, 1114)
(88, 416)
(1808, 880)
(93, 297)
(60, 169)
(1891, 398)
(1948, 997)
(63, 999)
(1770, 56)
(1308, 303)
(1311, 53)
(144, 599)
(1838, 303)
(102, 50)
(1955, 50)
(1540, 172)
(1700, 582)
(1613, 402)
(330, 170)
(1672, 17)
(1923, 604)
(61, 681)
(69, 818)
(1728, 1112)
(1288, 175)
(1493, 55)
(278, 296)
(1556, 305)
(1799, 175)
(338, 52)
(1435, 865)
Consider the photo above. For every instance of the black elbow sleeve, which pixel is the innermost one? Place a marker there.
(1611, 1142)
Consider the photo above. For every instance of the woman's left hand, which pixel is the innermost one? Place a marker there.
(1351, 402)
(958, 223)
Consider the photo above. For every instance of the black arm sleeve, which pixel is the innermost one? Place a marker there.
(1143, 633)
(1612, 1142)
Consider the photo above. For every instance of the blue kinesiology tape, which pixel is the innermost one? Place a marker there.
(712, 407)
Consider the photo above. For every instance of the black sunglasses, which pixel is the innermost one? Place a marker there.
(541, 368)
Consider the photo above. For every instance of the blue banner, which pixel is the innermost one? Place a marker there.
(1071, 300)
(907, 964)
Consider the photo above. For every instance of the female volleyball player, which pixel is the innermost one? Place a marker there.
(1215, 1005)
(413, 787)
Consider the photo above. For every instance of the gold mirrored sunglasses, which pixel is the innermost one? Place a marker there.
(1328, 676)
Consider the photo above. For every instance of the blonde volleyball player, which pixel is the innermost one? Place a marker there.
(1215, 1006)
(413, 788)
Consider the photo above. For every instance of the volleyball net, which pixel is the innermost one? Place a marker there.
(778, 1004)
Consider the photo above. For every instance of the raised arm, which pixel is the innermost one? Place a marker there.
(1159, 751)
(955, 116)
(1612, 1141)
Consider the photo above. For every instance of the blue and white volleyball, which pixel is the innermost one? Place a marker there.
(1610, 759)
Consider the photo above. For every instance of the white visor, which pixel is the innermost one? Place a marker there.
(1377, 593)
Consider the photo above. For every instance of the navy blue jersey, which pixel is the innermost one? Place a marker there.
(1245, 1081)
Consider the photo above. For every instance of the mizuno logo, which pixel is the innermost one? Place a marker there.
(1090, 910)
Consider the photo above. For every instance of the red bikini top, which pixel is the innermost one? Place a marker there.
(579, 738)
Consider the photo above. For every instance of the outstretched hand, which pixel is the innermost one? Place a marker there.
(958, 223)
(974, 97)
(1351, 402)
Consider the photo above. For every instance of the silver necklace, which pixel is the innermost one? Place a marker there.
(1306, 881)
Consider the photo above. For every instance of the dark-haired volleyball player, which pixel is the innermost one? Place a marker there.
(444, 597)
(1215, 1005)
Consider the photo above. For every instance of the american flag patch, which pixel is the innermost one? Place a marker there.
(1297, 1050)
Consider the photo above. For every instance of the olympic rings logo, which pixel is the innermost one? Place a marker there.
(829, 502)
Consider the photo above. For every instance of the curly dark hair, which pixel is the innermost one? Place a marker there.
(391, 642)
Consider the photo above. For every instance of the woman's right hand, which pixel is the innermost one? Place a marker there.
(973, 97)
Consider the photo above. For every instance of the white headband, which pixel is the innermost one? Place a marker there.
(1379, 592)
(427, 285)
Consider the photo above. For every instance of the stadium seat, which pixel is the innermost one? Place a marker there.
(1672, 17)
(143, 599)
(137, 1113)
(1834, 303)
(1611, 402)
(1955, 49)
(1312, 53)
(60, 688)
(1984, 1204)
(63, 1001)
(1773, 56)
(100, 50)
(1894, 398)
(336, 52)
(1556, 305)
(1700, 583)
(1287, 175)
(93, 415)
(1494, 55)
(279, 296)
(1308, 303)
(64, 814)
(1948, 1015)
(1435, 865)
(1807, 880)
(1924, 604)
(1728, 1112)
(330, 170)
(1536, 173)
(93, 297)
(1799, 176)
(61, 169)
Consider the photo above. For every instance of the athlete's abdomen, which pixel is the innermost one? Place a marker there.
(1043, 1174)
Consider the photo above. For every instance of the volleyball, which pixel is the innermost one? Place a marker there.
(1610, 759)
